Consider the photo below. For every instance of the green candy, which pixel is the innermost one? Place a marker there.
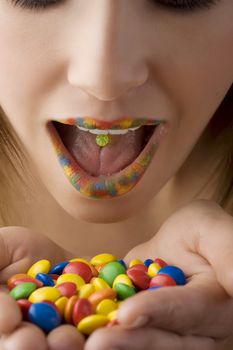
(102, 140)
(124, 291)
(110, 271)
(23, 290)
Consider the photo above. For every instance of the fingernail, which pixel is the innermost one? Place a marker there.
(139, 322)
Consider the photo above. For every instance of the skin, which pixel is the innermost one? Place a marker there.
(51, 67)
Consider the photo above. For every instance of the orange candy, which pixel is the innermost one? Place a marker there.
(100, 295)
(69, 309)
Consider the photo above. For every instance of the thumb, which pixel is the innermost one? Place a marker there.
(141, 252)
(13, 257)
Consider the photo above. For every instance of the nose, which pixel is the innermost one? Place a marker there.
(107, 56)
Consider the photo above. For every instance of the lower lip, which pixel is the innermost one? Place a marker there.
(106, 187)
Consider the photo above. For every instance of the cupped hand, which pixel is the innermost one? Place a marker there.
(199, 315)
(20, 248)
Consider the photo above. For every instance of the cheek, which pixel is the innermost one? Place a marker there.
(192, 59)
(26, 67)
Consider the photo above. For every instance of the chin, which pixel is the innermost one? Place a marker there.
(101, 213)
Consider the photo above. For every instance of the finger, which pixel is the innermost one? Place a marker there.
(217, 247)
(10, 315)
(25, 337)
(65, 337)
(200, 308)
(148, 338)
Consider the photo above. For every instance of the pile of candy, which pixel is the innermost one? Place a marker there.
(86, 294)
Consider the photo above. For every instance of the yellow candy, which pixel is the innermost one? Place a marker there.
(61, 304)
(122, 278)
(90, 323)
(135, 262)
(112, 315)
(106, 307)
(99, 283)
(86, 290)
(71, 277)
(102, 259)
(153, 269)
(44, 293)
(41, 266)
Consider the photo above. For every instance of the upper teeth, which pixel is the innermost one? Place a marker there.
(108, 131)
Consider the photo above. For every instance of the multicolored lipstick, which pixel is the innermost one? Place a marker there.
(117, 124)
(115, 185)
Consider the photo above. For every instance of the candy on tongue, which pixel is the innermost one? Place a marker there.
(121, 151)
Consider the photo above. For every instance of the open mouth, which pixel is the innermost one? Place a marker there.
(105, 172)
(114, 157)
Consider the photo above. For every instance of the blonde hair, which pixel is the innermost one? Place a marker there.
(13, 160)
(12, 170)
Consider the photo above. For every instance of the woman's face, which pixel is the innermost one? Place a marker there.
(107, 59)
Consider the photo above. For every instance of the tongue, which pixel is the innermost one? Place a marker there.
(121, 151)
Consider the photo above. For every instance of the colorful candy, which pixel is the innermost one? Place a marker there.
(86, 294)
(110, 271)
(140, 278)
(23, 290)
(173, 271)
(79, 268)
(124, 291)
(45, 316)
(41, 266)
(45, 279)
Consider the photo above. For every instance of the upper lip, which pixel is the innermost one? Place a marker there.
(120, 123)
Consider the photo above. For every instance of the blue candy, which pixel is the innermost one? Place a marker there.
(122, 263)
(174, 272)
(154, 287)
(45, 279)
(147, 262)
(57, 269)
(44, 316)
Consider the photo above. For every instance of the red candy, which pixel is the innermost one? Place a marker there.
(24, 305)
(67, 289)
(140, 267)
(160, 262)
(79, 268)
(139, 278)
(54, 276)
(82, 308)
(162, 280)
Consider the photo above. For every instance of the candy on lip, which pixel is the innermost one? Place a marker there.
(120, 123)
(83, 297)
